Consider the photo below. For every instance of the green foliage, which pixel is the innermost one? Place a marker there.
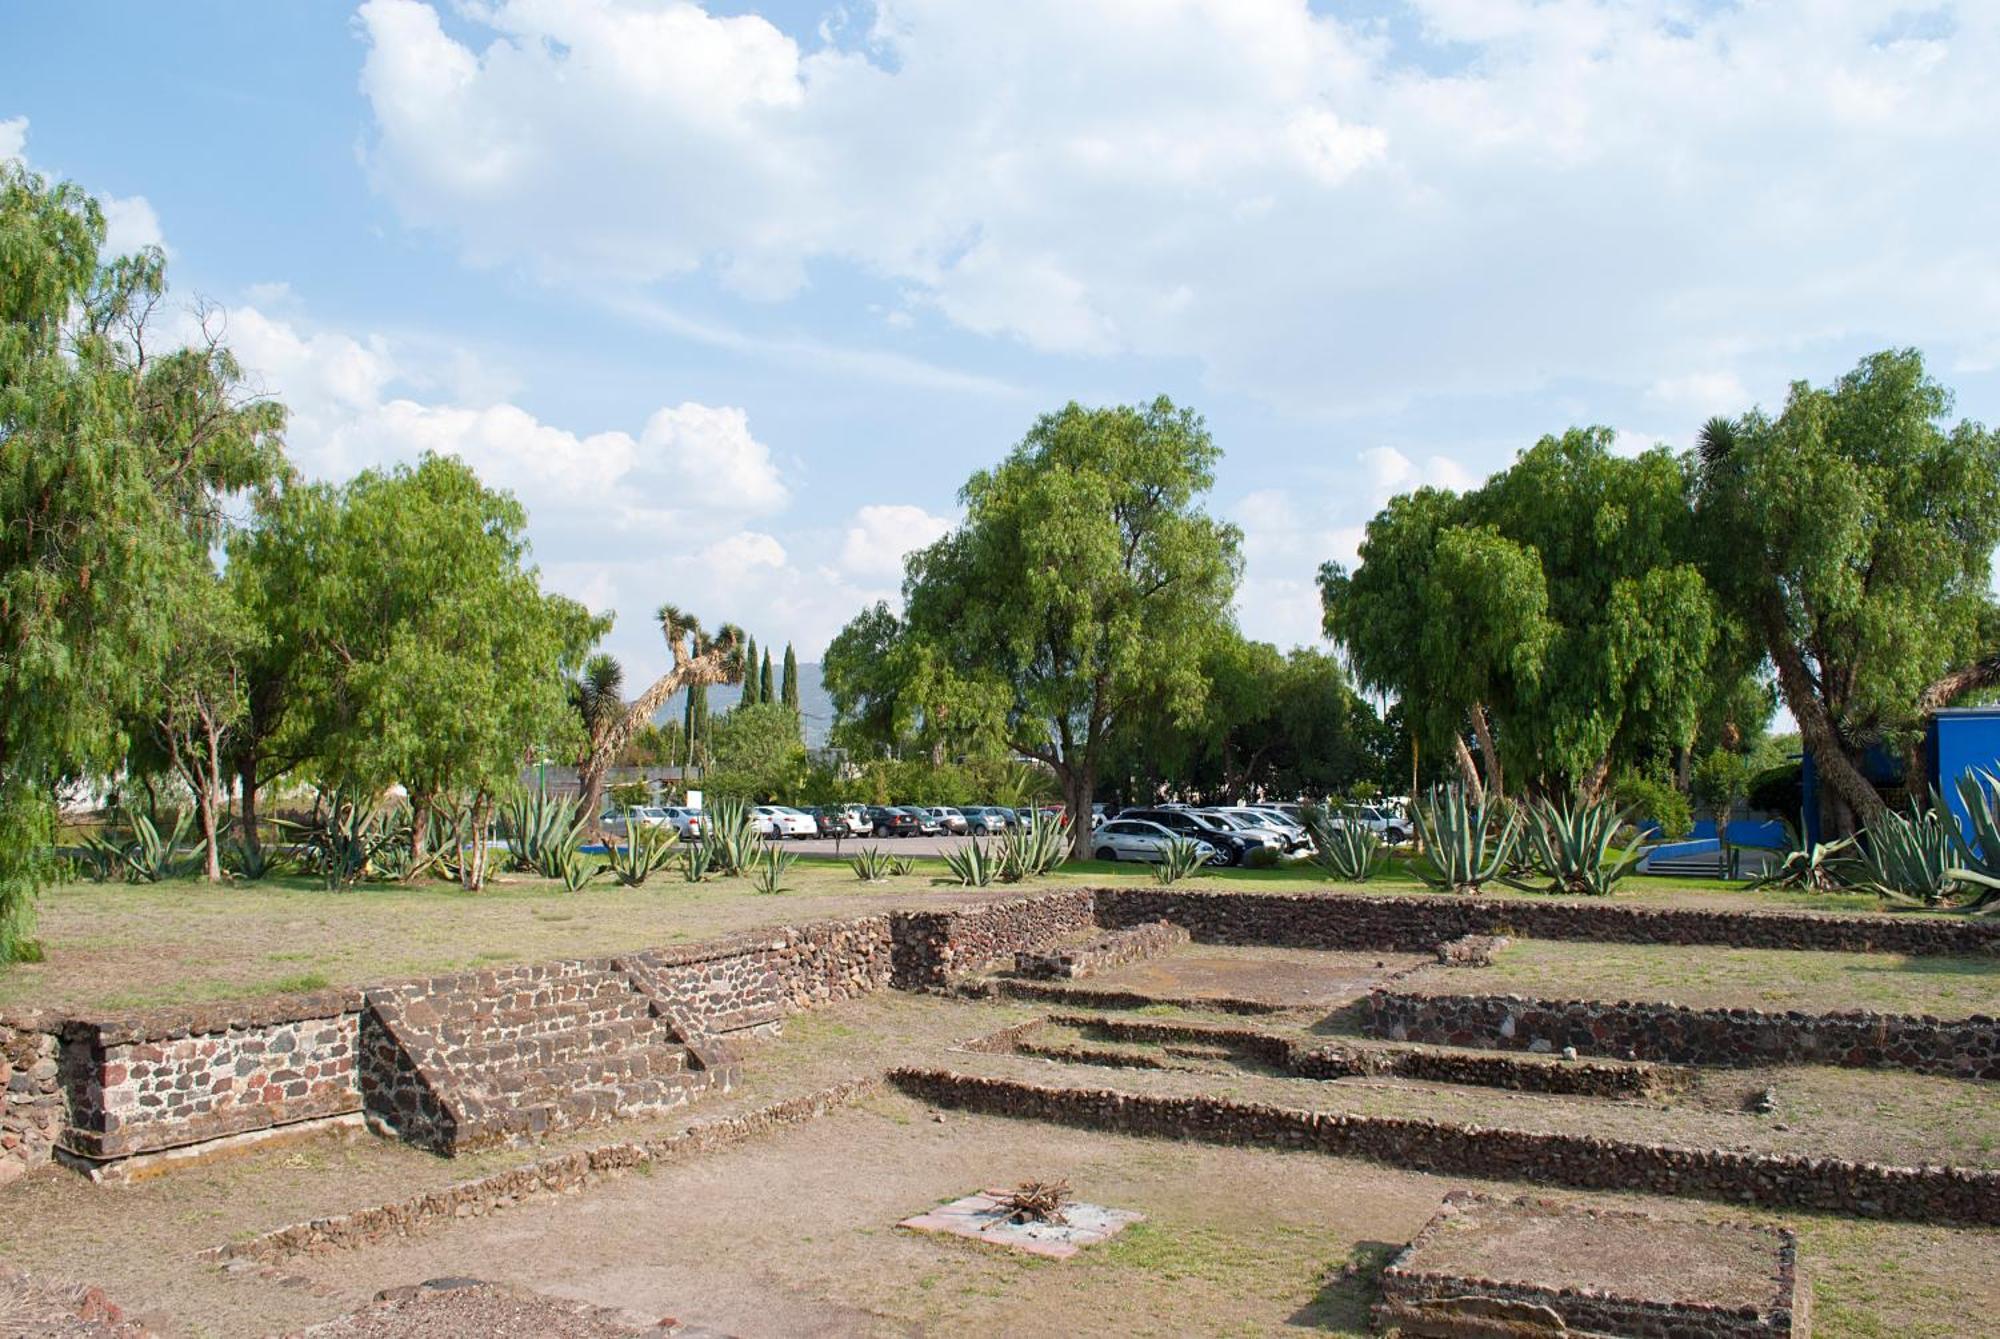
(646, 849)
(1976, 838)
(1655, 800)
(1179, 859)
(871, 864)
(1911, 858)
(1854, 534)
(1035, 848)
(753, 677)
(631, 794)
(756, 751)
(535, 825)
(1462, 850)
(1808, 866)
(253, 861)
(151, 856)
(901, 866)
(768, 870)
(731, 837)
(974, 864)
(1349, 852)
(1571, 845)
(789, 692)
(1084, 584)
(344, 835)
(697, 858)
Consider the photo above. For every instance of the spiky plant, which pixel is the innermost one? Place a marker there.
(536, 822)
(1180, 859)
(1976, 838)
(1910, 858)
(767, 871)
(732, 836)
(1570, 844)
(568, 863)
(902, 866)
(871, 864)
(1034, 849)
(153, 857)
(973, 865)
(1809, 866)
(647, 848)
(1347, 851)
(345, 834)
(696, 858)
(1461, 849)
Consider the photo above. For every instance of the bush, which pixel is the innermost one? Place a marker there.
(1655, 800)
(1260, 857)
(1778, 790)
(631, 794)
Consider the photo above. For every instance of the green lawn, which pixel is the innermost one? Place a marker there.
(120, 946)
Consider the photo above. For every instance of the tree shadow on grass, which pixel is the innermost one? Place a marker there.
(1346, 1299)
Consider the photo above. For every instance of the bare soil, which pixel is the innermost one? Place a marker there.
(1288, 978)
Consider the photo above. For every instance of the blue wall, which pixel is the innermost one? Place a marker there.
(1962, 738)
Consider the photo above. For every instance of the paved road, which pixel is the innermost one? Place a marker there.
(910, 846)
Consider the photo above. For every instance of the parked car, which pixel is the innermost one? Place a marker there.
(986, 819)
(1295, 835)
(1231, 846)
(950, 820)
(1137, 839)
(617, 821)
(927, 822)
(1390, 827)
(889, 821)
(687, 822)
(778, 822)
(1244, 826)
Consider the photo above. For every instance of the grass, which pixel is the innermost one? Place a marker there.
(122, 946)
(1732, 977)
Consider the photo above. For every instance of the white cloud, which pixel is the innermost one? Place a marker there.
(1310, 209)
(879, 536)
(743, 550)
(13, 138)
(129, 221)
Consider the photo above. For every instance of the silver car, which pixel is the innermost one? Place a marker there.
(1138, 839)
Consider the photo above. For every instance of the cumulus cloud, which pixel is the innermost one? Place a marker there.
(13, 138)
(880, 535)
(1485, 195)
(129, 221)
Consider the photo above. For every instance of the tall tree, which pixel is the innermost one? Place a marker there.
(758, 754)
(698, 660)
(753, 685)
(1085, 583)
(1855, 533)
(766, 692)
(598, 697)
(791, 685)
(115, 465)
(694, 724)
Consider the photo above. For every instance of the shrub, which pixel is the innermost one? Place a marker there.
(1461, 849)
(1779, 789)
(1261, 857)
(1180, 859)
(1655, 800)
(1571, 845)
(631, 794)
(342, 838)
(1815, 867)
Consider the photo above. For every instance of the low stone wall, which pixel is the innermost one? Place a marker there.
(141, 1083)
(558, 1175)
(32, 1107)
(752, 979)
(1773, 1181)
(933, 947)
(1964, 1048)
(1417, 923)
(1106, 951)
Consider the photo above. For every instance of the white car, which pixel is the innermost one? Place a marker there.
(778, 822)
(1246, 826)
(1137, 839)
(985, 819)
(1295, 835)
(949, 820)
(687, 822)
(1389, 827)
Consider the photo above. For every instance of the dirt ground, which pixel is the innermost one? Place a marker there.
(1773, 979)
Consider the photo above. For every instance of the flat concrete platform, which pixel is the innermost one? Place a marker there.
(1532, 1267)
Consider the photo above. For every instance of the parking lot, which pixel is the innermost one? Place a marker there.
(909, 846)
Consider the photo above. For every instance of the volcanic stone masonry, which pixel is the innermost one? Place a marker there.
(1111, 950)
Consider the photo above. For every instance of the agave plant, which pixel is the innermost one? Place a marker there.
(568, 864)
(1180, 859)
(343, 837)
(1808, 866)
(1461, 849)
(153, 857)
(1032, 850)
(1910, 858)
(647, 848)
(695, 860)
(1978, 849)
(732, 837)
(872, 864)
(974, 864)
(901, 866)
(252, 861)
(535, 823)
(1571, 845)
(1347, 851)
(768, 870)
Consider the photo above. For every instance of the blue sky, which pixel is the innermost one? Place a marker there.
(735, 297)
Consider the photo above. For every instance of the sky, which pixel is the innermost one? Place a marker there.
(735, 296)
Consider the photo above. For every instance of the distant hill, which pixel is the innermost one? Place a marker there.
(814, 705)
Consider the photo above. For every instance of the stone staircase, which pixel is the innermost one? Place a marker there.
(512, 1054)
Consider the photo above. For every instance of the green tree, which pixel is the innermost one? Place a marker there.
(753, 684)
(757, 753)
(115, 466)
(1085, 584)
(790, 689)
(766, 693)
(1854, 535)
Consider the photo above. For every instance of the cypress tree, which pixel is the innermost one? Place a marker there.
(765, 685)
(791, 679)
(751, 689)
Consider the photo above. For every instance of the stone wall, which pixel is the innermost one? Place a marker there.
(142, 1083)
(32, 1106)
(1106, 951)
(1417, 923)
(932, 947)
(752, 979)
(1774, 1181)
(1965, 1048)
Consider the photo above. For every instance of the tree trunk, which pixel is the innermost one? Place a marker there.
(246, 781)
(1843, 779)
(420, 827)
(1590, 788)
(211, 796)
(1468, 770)
(1077, 784)
(472, 858)
(1496, 781)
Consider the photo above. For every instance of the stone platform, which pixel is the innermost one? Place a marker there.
(1485, 1268)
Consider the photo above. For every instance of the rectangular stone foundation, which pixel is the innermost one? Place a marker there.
(1111, 950)
(1487, 1267)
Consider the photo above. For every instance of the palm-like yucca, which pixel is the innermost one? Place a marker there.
(1571, 844)
(1461, 849)
(1180, 859)
(1347, 851)
(598, 695)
